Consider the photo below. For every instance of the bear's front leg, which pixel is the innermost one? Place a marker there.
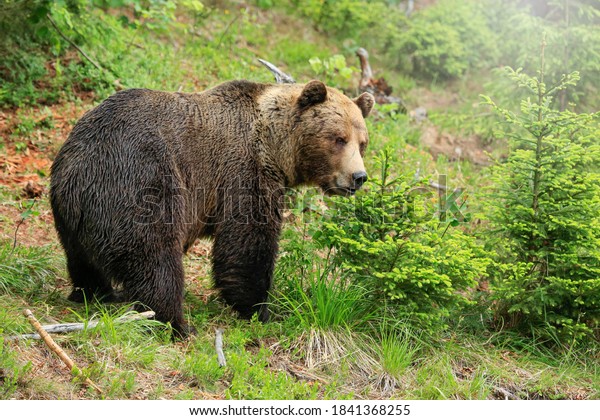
(243, 258)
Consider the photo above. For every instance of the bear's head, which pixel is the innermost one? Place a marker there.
(331, 137)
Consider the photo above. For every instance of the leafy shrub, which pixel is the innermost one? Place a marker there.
(571, 30)
(545, 214)
(344, 17)
(42, 65)
(333, 71)
(444, 41)
(415, 262)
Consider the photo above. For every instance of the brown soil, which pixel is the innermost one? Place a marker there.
(25, 161)
(455, 148)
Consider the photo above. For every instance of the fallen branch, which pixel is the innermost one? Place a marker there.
(219, 347)
(58, 350)
(78, 326)
(441, 187)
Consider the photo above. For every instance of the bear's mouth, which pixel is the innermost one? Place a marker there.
(347, 191)
(337, 190)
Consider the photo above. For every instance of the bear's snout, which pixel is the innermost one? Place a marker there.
(359, 179)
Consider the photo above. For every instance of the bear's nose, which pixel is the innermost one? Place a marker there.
(359, 179)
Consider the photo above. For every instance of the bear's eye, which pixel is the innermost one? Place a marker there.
(362, 148)
(340, 141)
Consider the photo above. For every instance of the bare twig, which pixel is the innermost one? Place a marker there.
(63, 36)
(58, 350)
(20, 223)
(78, 326)
(219, 347)
(227, 29)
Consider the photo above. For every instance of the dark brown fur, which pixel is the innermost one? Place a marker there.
(146, 173)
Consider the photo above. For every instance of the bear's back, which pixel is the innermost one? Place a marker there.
(144, 140)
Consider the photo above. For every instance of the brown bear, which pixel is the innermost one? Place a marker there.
(146, 173)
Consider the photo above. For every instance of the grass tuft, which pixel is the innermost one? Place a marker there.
(25, 270)
(323, 300)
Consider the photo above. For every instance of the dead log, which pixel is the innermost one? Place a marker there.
(379, 88)
(280, 76)
(78, 326)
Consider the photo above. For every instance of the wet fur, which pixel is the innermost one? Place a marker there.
(146, 173)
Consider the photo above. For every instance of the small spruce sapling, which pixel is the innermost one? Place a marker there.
(545, 215)
(401, 242)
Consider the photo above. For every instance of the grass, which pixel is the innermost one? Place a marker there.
(398, 352)
(27, 270)
(324, 342)
(307, 353)
(324, 302)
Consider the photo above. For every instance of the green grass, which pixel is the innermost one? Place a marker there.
(251, 378)
(301, 355)
(27, 270)
(325, 302)
(11, 371)
(399, 351)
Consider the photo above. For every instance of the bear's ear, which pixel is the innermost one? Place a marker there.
(314, 93)
(365, 102)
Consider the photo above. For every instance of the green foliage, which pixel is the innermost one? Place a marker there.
(132, 339)
(252, 380)
(122, 385)
(444, 41)
(42, 65)
(36, 66)
(398, 352)
(202, 365)
(392, 240)
(333, 71)
(310, 291)
(571, 30)
(545, 214)
(451, 37)
(322, 300)
(347, 17)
